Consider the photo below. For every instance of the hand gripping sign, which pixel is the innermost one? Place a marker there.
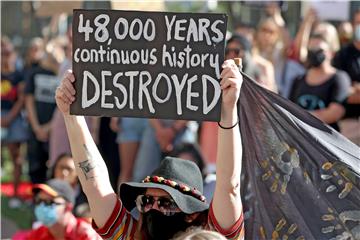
(148, 64)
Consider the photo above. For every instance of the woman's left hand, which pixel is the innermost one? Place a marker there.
(230, 84)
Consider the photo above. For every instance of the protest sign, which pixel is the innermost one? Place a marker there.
(148, 64)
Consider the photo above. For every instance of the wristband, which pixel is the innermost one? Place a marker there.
(228, 127)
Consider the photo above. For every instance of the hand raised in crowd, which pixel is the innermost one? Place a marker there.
(310, 16)
(65, 93)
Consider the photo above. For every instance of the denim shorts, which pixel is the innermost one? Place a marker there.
(17, 132)
(131, 129)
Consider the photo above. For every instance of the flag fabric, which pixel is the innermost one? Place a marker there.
(300, 178)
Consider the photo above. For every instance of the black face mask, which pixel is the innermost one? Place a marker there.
(161, 227)
(316, 57)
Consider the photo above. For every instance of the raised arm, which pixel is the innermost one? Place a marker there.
(227, 202)
(303, 35)
(90, 166)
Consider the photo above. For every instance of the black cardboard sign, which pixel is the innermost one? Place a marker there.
(148, 64)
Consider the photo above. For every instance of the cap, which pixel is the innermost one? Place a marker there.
(56, 188)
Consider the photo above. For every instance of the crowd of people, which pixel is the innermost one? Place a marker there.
(319, 70)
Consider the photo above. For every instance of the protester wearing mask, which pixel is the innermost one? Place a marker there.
(53, 204)
(323, 89)
(171, 198)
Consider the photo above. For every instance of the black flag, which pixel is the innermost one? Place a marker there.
(300, 178)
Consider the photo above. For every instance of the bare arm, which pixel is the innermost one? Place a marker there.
(333, 113)
(31, 111)
(354, 97)
(90, 166)
(227, 202)
(303, 35)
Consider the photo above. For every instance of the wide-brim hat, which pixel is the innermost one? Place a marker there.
(180, 178)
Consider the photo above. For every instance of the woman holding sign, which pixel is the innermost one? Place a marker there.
(171, 199)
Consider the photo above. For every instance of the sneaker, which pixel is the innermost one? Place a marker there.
(15, 203)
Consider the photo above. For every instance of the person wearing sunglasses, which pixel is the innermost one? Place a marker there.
(171, 199)
(53, 203)
(238, 46)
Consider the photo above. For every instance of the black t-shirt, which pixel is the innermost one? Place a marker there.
(9, 88)
(348, 60)
(42, 84)
(310, 97)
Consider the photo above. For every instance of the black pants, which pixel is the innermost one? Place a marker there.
(38, 155)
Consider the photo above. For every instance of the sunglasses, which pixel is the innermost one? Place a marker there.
(47, 202)
(234, 50)
(167, 206)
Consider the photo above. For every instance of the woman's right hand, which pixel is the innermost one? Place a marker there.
(65, 93)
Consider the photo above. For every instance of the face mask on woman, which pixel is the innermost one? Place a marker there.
(315, 57)
(161, 227)
(46, 214)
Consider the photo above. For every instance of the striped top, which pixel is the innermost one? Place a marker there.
(121, 225)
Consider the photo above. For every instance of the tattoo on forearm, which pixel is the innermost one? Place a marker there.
(88, 165)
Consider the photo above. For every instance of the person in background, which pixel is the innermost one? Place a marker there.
(348, 60)
(53, 205)
(272, 45)
(64, 169)
(345, 31)
(13, 124)
(40, 104)
(273, 10)
(312, 26)
(246, 30)
(33, 54)
(58, 141)
(323, 89)
(239, 47)
(193, 153)
(129, 134)
(160, 138)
